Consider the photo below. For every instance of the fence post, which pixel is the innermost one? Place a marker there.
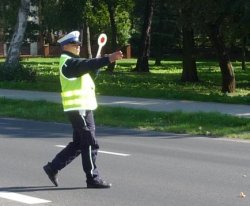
(46, 50)
(128, 51)
(5, 49)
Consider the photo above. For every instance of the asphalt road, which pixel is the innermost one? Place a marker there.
(146, 168)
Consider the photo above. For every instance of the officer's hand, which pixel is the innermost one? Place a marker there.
(115, 56)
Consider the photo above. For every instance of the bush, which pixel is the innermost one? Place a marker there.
(17, 73)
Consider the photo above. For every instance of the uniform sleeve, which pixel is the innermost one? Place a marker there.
(76, 67)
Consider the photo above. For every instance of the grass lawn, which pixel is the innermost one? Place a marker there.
(162, 82)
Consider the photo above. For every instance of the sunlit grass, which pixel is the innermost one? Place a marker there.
(162, 82)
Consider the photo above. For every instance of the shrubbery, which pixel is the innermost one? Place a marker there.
(17, 73)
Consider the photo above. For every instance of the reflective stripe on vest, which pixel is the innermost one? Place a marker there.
(77, 93)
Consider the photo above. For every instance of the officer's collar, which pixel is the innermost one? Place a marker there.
(70, 54)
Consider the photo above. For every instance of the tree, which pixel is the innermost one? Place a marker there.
(185, 21)
(118, 11)
(217, 15)
(8, 13)
(111, 5)
(18, 36)
(87, 13)
(228, 77)
(189, 71)
(144, 50)
(160, 34)
(49, 20)
(240, 28)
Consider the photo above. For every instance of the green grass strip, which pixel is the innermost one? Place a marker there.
(209, 124)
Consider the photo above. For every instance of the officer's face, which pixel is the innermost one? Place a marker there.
(73, 48)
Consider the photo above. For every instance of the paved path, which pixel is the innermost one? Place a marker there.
(138, 103)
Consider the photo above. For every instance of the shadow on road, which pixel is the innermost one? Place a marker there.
(38, 188)
(21, 128)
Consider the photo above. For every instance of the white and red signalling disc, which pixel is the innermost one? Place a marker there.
(102, 39)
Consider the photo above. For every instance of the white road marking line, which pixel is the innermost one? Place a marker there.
(114, 153)
(22, 198)
(104, 152)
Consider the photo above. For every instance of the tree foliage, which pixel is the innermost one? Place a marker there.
(8, 17)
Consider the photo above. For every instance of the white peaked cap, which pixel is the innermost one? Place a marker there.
(72, 37)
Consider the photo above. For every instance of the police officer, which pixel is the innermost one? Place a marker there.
(78, 99)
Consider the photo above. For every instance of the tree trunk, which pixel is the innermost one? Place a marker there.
(142, 61)
(18, 36)
(243, 53)
(228, 78)
(189, 72)
(158, 42)
(2, 22)
(88, 42)
(158, 60)
(111, 10)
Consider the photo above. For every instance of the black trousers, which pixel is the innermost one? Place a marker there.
(84, 143)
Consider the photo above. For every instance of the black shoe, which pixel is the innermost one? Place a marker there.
(51, 174)
(98, 184)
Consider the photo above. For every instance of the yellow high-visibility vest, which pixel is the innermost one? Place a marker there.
(77, 93)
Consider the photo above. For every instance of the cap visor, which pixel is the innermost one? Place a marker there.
(76, 42)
